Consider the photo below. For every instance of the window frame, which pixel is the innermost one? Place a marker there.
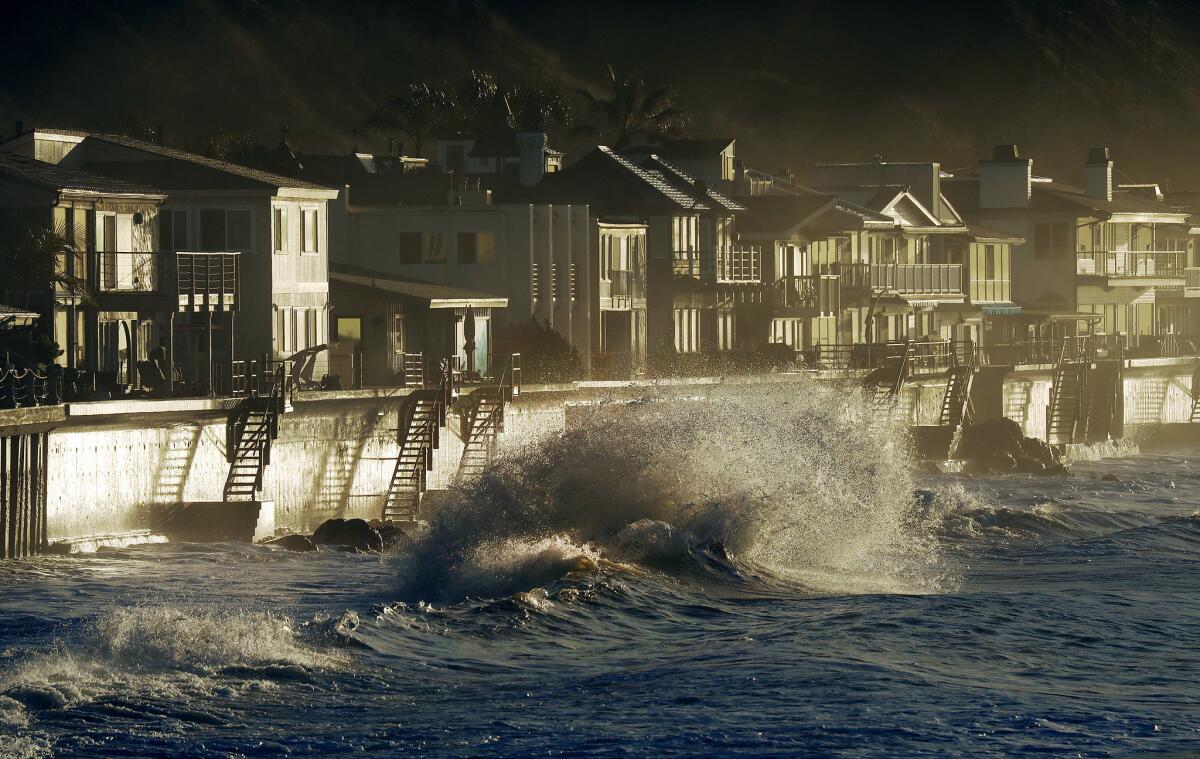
(316, 221)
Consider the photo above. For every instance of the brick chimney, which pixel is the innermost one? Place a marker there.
(1099, 172)
(1006, 180)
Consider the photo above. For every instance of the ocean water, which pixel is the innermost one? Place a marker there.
(765, 577)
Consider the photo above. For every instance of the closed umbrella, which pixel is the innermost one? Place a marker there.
(469, 338)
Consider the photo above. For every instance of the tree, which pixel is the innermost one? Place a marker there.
(234, 147)
(630, 110)
(418, 112)
(33, 260)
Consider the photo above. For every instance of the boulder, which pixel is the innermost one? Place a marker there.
(1039, 450)
(354, 534)
(1027, 465)
(297, 543)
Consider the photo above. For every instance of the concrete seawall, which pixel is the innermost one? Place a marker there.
(113, 470)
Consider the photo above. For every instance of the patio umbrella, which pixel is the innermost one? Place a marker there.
(469, 338)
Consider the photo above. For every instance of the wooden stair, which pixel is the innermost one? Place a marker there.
(251, 451)
(487, 421)
(403, 500)
(1066, 402)
(955, 402)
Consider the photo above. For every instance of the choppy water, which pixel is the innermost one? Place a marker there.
(759, 580)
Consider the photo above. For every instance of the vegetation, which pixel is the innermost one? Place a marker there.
(629, 111)
(546, 356)
(33, 259)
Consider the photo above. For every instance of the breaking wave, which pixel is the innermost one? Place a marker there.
(789, 485)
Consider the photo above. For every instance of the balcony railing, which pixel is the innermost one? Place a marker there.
(1191, 282)
(853, 276)
(126, 272)
(692, 264)
(741, 265)
(209, 281)
(1132, 264)
(622, 287)
(814, 294)
(918, 279)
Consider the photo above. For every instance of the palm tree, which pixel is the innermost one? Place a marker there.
(33, 260)
(630, 110)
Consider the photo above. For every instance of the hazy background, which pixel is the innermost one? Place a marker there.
(795, 82)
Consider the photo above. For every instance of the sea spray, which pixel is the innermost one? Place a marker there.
(798, 484)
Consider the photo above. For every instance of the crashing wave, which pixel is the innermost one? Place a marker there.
(786, 483)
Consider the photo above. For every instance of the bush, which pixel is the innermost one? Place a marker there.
(546, 356)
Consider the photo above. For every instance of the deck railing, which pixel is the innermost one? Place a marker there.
(209, 281)
(129, 272)
(918, 279)
(739, 265)
(1145, 264)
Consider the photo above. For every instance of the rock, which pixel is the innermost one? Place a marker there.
(1038, 450)
(354, 534)
(1028, 465)
(1110, 478)
(1058, 470)
(1002, 463)
(393, 536)
(297, 543)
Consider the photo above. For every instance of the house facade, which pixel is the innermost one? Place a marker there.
(276, 226)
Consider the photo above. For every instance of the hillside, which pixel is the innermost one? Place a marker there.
(798, 83)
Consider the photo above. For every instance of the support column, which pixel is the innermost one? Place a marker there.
(208, 333)
(171, 352)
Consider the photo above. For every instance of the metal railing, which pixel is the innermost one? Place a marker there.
(819, 293)
(691, 264)
(129, 272)
(622, 285)
(22, 388)
(1191, 278)
(1148, 264)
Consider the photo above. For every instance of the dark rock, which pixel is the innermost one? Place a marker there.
(350, 533)
(1002, 462)
(393, 536)
(297, 543)
(1038, 450)
(1028, 465)
(1110, 478)
(1057, 470)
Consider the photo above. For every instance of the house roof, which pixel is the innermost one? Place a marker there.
(984, 234)
(438, 296)
(685, 149)
(609, 181)
(191, 171)
(54, 177)
(782, 214)
(1051, 196)
(685, 182)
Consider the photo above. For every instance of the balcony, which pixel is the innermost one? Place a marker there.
(620, 291)
(811, 295)
(690, 264)
(1191, 282)
(934, 280)
(168, 281)
(1138, 268)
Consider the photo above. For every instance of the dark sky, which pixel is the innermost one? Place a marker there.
(796, 82)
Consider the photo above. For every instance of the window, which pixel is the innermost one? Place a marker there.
(991, 269)
(212, 229)
(349, 329)
(410, 248)
(434, 249)
(687, 330)
(308, 229)
(476, 247)
(280, 330)
(606, 259)
(279, 234)
(1051, 240)
(107, 236)
(173, 229)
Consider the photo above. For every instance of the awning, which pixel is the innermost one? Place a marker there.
(1000, 309)
(14, 317)
(437, 296)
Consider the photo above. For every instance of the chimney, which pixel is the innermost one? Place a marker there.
(532, 149)
(1006, 180)
(1099, 171)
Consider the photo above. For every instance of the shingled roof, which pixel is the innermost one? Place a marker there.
(609, 181)
(54, 177)
(685, 182)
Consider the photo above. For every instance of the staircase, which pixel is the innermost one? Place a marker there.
(1066, 402)
(956, 401)
(1195, 419)
(248, 435)
(403, 501)
(251, 450)
(486, 421)
(884, 387)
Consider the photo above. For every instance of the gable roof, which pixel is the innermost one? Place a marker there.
(190, 171)
(685, 182)
(54, 177)
(783, 215)
(687, 148)
(609, 181)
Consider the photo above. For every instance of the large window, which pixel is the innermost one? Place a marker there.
(173, 229)
(309, 232)
(225, 230)
(476, 247)
(1051, 240)
(687, 330)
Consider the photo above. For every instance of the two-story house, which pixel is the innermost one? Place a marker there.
(277, 227)
(1095, 259)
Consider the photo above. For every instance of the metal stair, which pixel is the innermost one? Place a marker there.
(1066, 402)
(1195, 419)
(403, 501)
(956, 401)
(884, 387)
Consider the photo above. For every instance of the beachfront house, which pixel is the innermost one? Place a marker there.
(272, 229)
(1096, 259)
